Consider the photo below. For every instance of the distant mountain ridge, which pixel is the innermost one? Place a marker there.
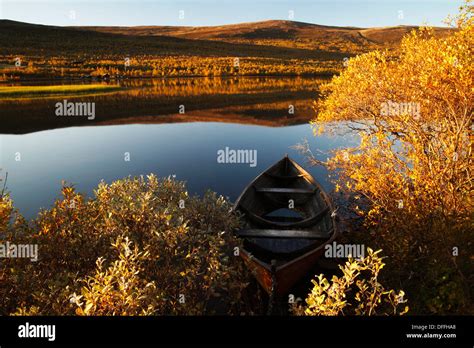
(32, 39)
(270, 30)
(280, 33)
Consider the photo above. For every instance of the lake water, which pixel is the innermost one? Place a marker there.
(88, 154)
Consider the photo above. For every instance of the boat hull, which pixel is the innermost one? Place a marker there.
(278, 262)
(287, 275)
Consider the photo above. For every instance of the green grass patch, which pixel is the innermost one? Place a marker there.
(46, 91)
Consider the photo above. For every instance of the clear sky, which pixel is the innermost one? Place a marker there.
(360, 13)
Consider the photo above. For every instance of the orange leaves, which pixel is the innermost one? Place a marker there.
(401, 155)
(414, 112)
(67, 191)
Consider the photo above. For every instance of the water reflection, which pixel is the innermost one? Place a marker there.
(267, 101)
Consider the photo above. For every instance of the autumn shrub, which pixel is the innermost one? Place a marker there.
(410, 177)
(139, 246)
(118, 289)
(357, 292)
(6, 211)
(6, 206)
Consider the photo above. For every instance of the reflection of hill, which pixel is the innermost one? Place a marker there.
(264, 101)
(232, 85)
(270, 115)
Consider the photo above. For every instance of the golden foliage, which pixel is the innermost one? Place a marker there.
(6, 211)
(411, 174)
(119, 289)
(169, 66)
(357, 292)
(161, 254)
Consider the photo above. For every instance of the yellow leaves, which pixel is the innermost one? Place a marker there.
(412, 165)
(6, 210)
(45, 228)
(405, 150)
(329, 298)
(150, 238)
(87, 308)
(67, 191)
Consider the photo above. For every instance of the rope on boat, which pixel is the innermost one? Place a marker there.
(271, 300)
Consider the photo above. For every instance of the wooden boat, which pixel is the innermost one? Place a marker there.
(289, 220)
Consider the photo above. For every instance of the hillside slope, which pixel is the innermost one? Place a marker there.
(29, 39)
(269, 48)
(289, 34)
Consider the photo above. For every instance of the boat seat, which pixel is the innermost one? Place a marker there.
(310, 221)
(282, 190)
(283, 218)
(268, 233)
(284, 177)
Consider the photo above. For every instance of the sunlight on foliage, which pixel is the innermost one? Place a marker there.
(141, 246)
(357, 292)
(6, 210)
(118, 290)
(410, 177)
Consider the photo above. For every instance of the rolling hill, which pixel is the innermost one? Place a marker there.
(32, 39)
(277, 33)
(274, 38)
(270, 48)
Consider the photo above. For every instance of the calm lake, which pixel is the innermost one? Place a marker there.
(84, 155)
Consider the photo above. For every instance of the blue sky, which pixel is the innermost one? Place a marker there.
(360, 13)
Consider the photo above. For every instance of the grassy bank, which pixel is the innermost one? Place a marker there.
(48, 91)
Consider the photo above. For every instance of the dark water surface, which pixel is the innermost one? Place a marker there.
(86, 155)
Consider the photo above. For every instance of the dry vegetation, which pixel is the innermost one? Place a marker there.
(170, 66)
(281, 33)
(30, 92)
